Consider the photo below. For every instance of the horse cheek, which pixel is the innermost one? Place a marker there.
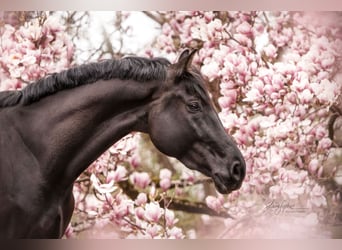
(166, 136)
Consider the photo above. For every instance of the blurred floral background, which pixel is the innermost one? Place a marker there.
(274, 77)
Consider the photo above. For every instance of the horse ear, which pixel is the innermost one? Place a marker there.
(184, 61)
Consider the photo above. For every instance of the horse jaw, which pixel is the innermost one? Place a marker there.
(212, 165)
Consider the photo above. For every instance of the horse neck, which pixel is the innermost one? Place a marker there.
(68, 130)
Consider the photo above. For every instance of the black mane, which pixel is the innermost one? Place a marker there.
(135, 68)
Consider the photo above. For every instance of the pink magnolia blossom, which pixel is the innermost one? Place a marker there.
(153, 230)
(170, 218)
(293, 191)
(325, 90)
(153, 212)
(102, 187)
(253, 95)
(324, 144)
(140, 213)
(175, 233)
(141, 180)
(243, 39)
(165, 184)
(52, 24)
(270, 51)
(123, 209)
(227, 101)
(265, 178)
(317, 196)
(69, 232)
(141, 199)
(165, 174)
(118, 175)
(214, 203)
(245, 28)
(306, 96)
(211, 70)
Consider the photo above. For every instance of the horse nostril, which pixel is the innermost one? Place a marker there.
(236, 171)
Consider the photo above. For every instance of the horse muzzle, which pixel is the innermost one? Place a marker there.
(229, 179)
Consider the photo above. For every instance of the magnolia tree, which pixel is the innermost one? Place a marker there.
(31, 51)
(273, 77)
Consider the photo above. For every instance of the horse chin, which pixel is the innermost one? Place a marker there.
(222, 187)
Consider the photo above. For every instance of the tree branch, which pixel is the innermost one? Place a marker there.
(158, 19)
(176, 203)
(231, 37)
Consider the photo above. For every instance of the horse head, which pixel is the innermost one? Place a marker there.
(184, 124)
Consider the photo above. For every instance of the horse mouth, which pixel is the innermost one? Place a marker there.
(223, 186)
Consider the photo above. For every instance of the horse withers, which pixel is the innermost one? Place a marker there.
(53, 129)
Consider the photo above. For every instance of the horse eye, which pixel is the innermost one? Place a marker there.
(194, 107)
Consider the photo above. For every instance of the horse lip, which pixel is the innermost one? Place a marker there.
(220, 185)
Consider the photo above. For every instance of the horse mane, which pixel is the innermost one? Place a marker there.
(136, 68)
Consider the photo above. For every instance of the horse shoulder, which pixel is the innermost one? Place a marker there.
(20, 181)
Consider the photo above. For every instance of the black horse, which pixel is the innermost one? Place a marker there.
(53, 129)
